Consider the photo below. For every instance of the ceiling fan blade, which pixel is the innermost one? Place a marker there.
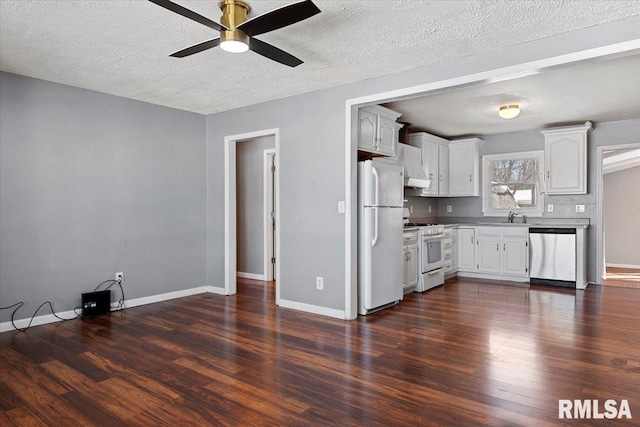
(279, 18)
(189, 14)
(272, 52)
(196, 48)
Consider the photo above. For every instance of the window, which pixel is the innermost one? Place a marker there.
(511, 182)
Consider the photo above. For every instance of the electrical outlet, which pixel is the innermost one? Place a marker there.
(580, 208)
(320, 283)
(448, 208)
(341, 206)
(549, 208)
(429, 208)
(119, 277)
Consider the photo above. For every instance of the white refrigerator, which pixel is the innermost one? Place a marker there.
(380, 197)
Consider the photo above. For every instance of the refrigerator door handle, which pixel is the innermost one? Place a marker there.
(375, 227)
(376, 180)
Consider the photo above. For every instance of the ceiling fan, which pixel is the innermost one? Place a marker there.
(237, 34)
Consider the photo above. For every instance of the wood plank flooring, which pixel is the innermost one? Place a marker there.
(464, 354)
(622, 277)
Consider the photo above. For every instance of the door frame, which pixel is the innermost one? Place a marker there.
(600, 254)
(230, 208)
(268, 182)
(489, 76)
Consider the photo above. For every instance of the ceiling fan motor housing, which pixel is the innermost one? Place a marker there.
(234, 12)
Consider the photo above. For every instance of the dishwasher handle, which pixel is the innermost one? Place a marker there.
(551, 230)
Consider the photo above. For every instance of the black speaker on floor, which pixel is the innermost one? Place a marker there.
(96, 303)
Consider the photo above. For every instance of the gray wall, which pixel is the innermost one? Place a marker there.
(92, 184)
(421, 207)
(312, 161)
(621, 207)
(250, 193)
(603, 134)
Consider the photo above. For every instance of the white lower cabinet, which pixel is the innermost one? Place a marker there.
(466, 249)
(410, 259)
(498, 251)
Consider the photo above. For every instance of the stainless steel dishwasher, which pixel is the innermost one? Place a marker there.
(553, 256)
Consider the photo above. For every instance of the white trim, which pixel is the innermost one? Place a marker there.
(600, 255)
(251, 276)
(315, 309)
(268, 188)
(631, 266)
(500, 277)
(485, 193)
(491, 76)
(50, 318)
(216, 290)
(230, 231)
(620, 162)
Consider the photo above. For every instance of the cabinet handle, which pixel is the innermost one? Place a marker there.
(470, 176)
(498, 247)
(472, 240)
(440, 178)
(548, 175)
(504, 247)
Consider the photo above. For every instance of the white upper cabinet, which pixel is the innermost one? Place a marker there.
(464, 167)
(377, 131)
(433, 149)
(565, 159)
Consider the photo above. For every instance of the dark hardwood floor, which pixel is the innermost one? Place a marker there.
(465, 354)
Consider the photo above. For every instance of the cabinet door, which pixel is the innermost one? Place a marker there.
(367, 131)
(454, 240)
(488, 255)
(412, 265)
(405, 269)
(466, 249)
(430, 153)
(565, 157)
(387, 136)
(443, 170)
(515, 256)
(462, 158)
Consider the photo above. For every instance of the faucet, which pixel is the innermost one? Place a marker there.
(510, 216)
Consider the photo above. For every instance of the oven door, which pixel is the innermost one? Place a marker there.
(432, 253)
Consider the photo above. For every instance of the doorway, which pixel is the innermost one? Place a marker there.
(251, 208)
(618, 203)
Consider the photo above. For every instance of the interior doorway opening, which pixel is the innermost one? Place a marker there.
(251, 209)
(619, 200)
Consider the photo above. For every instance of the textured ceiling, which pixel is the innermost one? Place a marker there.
(122, 47)
(601, 90)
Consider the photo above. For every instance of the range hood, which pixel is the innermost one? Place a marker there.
(409, 157)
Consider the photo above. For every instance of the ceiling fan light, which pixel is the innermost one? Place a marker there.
(509, 111)
(234, 41)
(234, 46)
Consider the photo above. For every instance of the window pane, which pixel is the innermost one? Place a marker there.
(513, 196)
(513, 171)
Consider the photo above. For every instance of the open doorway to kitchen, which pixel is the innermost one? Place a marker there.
(618, 207)
(251, 201)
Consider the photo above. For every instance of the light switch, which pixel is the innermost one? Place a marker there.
(341, 206)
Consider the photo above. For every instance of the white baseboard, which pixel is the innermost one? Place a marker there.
(130, 303)
(635, 267)
(251, 276)
(215, 290)
(315, 309)
(39, 320)
(500, 277)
